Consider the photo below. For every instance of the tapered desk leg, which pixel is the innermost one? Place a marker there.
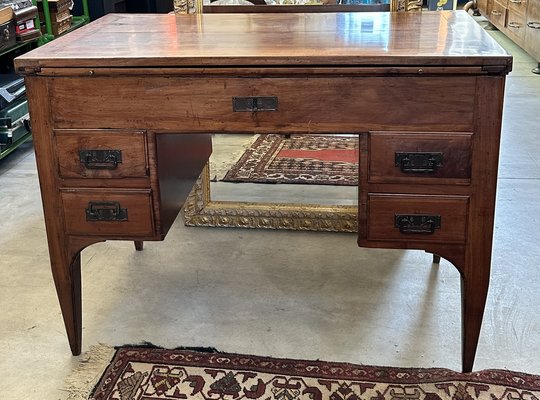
(474, 290)
(67, 278)
(473, 261)
(66, 271)
(473, 301)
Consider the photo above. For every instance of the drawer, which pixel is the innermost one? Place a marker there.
(262, 104)
(515, 25)
(417, 218)
(108, 212)
(497, 15)
(519, 6)
(442, 158)
(101, 153)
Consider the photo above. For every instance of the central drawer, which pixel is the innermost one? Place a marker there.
(276, 104)
(108, 212)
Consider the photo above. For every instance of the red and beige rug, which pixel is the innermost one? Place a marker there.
(151, 374)
(321, 160)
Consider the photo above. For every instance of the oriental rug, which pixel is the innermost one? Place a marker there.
(137, 373)
(305, 159)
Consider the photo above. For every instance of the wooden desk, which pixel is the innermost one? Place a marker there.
(122, 110)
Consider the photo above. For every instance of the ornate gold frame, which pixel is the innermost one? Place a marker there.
(200, 210)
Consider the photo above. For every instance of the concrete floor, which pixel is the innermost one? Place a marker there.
(287, 294)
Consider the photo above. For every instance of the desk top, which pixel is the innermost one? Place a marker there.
(444, 38)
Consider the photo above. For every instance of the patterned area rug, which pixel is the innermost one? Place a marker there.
(151, 374)
(321, 160)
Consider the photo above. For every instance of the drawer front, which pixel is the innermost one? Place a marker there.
(515, 25)
(441, 158)
(108, 212)
(497, 15)
(315, 104)
(417, 218)
(518, 6)
(101, 154)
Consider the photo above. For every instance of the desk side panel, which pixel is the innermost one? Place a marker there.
(180, 160)
(64, 251)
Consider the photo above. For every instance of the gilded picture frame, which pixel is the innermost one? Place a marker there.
(201, 210)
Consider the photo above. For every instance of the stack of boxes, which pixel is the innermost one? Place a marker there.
(60, 12)
(7, 28)
(23, 14)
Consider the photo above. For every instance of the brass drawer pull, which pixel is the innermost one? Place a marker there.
(100, 159)
(516, 1)
(534, 24)
(418, 162)
(514, 25)
(253, 104)
(106, 211)
(416, 223)
(497, 13)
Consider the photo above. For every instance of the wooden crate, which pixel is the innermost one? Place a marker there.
(56, 16)
(59, 27)
(56, 6)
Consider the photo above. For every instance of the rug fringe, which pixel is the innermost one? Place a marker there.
(86, 375)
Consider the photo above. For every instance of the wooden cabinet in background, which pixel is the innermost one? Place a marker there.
(519, 20)
(532, 30)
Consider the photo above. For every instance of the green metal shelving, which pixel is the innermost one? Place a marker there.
(77, 21)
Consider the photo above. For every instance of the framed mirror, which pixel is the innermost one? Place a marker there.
(273, 181)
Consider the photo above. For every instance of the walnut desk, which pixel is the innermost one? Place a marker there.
(122, 111)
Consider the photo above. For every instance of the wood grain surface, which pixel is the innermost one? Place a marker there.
(384, 207)
(342, 104)
(430, 38)
(454, 149)
(130, 144)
